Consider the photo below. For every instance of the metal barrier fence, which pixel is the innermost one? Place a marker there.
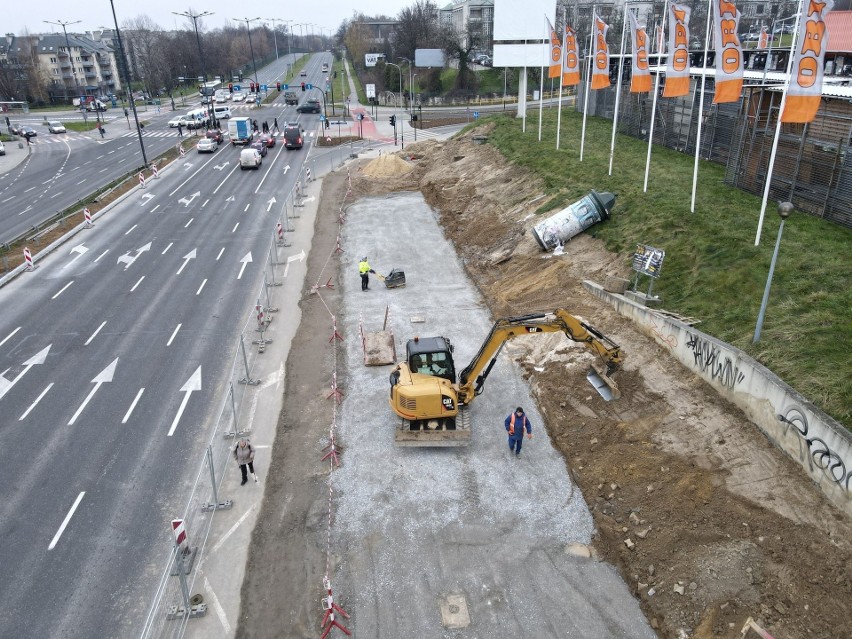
(813, 167)
(172, 605)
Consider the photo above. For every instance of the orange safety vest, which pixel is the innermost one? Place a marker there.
(512, 424)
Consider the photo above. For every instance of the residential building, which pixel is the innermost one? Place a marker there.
(471, 16)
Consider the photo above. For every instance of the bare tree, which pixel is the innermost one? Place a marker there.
(417, 28)
(458, 46)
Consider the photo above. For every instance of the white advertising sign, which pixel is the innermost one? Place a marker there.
(370, 59)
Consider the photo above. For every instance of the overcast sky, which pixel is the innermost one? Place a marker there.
(18, 16)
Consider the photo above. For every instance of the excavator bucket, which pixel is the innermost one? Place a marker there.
(603, 383)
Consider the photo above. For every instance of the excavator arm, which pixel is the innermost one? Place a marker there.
(472, 378)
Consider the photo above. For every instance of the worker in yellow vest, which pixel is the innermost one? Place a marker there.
(516, 422)
(364, 269)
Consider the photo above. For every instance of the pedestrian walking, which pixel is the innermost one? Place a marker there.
(364, 270)
(244, 454)
(275, 123)
(515, 423)
(254, 126)
(180, 130)
(101, 130)
(265, 127)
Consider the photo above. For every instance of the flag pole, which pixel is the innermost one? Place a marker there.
(561, 73)
(618, 89)
(541, 85)
(588, 84)
(771, 166)
(701, 106)
(656, 89)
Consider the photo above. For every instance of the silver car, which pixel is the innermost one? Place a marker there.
(207, 145)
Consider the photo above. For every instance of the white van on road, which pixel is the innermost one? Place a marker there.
(221, 112)
(250, 159)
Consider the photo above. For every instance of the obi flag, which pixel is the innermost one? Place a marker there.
(555, 63)
(571, 59)
(677, 67)
(640, 77)
(600, 61)
(805, 91)
(729, 52)
(763, 38)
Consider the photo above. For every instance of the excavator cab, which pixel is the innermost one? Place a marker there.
(431, 356)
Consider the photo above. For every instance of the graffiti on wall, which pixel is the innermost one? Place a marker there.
(669, 340)
(710, 360)
(819, 454)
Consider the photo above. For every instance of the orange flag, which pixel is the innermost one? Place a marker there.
(555, 66)
(571, 59)
(600, 61)
(729, 52)
(640, 76)
(805, 91)
(677, 67)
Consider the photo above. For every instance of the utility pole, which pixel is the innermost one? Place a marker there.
(63, 24)
(194, 17)
(401, 128)
(126, 70)
(274, 34)
(248, 22)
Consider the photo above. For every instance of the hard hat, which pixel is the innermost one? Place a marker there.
(364, 259)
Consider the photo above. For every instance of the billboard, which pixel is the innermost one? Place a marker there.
(429, 58)
(520, 34)
(370, 59)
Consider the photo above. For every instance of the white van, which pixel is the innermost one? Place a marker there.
(250, 159)
(220, 112)
(197, 118)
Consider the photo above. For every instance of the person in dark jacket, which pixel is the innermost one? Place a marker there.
(244, 454)
(515, 423)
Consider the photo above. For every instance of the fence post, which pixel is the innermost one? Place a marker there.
(247, 379)
(215, 504)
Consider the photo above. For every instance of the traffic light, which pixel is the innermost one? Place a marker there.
(230, 87)
(278, 85)
(252, 87)
(303, 86)
(393, 120)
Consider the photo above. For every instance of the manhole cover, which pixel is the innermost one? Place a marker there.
(454, 612)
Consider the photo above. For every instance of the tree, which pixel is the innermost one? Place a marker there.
(417, 28)
(458, 46)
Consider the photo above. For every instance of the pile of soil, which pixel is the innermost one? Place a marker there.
(386, 166)
(708, 523)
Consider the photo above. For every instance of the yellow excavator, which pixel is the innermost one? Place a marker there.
(433, 407)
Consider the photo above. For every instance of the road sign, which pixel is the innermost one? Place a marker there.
(322, 117)
(236, 87)
(285, 86)
(309, 86)
(263, 87)
(476, 115)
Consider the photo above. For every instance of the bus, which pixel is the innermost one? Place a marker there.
(209, 88)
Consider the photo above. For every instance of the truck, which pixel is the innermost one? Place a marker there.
(290, 97)
(433, 405)
(239, 130)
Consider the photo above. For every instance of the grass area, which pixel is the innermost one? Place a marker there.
(359, 88)
(82, 127)
(712, 269)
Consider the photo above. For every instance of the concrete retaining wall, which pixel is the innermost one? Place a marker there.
(819, 443)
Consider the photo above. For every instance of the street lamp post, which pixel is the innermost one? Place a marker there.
(274, 34)
(401, 126)
(784, 210)
(63, 24)
(248, 22)
(194, 17)
(126, 70)
(410, 80)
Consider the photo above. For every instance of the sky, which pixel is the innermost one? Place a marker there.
(19, 16)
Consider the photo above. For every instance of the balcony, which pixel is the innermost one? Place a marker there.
(91, 74)
(65, 64)
(88, 62)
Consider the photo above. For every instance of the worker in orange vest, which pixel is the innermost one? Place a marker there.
(516, 422)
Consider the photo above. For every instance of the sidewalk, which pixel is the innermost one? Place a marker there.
(16, 152)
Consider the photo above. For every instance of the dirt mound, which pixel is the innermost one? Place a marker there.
(708, 523)
(387, 166)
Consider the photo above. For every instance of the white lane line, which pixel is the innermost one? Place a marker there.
(6, 339)
(35, 403)
(191, 176)
(171, 339)
(95, 334)
(62, 289)
(231, 530)
(103, 170)
(101, 255)
(97, 158)
(29, 189)
(14, 196)
(214, 601)
(65, 522)
(188, 223)
(247, 207)
(165, 250)
(216, 190)
(56, 195)
(130, 230)
(81, 181)
(121, 160)
(132, 406)
(205, 203)
(137, 284)
(221, 250)
(236, 226)
(198, 292)
(155, 208)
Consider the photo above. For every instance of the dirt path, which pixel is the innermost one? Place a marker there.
(707, 522)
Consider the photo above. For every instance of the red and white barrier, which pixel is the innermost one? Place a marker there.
(338, 249)
(179, 530)
(154, 170)
(279, 232)
(307, 175)
(141, 180)
(87, 215)
(28, 258)
(261, 317)
(182, 150)
(328, 621)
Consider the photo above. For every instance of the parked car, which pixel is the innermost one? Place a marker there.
(260, 145)
(207, 145)
(215, 134)
(2, 148)
(268, 139)
(309, 106)
(250, 159)
(55, 126)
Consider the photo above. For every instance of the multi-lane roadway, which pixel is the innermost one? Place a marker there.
(113, 355)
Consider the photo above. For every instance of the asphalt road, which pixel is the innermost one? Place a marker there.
(114, 355)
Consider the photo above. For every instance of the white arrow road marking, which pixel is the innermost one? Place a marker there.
(187, 166)
(145, 199)
(192, 384)
(80, 250)
(65, 521)
(244, 261)
(272, 201)
(219, 167)
(101, 378)
(38, 358)
(286, 168)
(186, 258)
(300, 256)
(186, 202)
(127, 260)
(230, 199)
